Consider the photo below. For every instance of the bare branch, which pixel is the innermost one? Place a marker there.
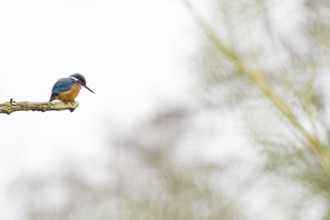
(12, 106)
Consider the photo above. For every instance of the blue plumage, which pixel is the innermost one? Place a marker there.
(62, 85)
(79, 77)
(66, 89)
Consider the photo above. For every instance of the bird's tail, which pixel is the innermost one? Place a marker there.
(52, 98)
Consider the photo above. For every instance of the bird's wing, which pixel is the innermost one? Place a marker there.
(62, 85)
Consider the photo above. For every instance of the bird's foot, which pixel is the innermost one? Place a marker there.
(71, 102)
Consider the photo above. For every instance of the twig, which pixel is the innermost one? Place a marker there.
(12, 106)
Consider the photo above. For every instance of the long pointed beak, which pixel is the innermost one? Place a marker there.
(88, 88)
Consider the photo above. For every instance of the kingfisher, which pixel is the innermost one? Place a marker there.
(67, 89)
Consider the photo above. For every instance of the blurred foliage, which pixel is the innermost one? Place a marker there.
(145, 180)
(268, 60)
(266, 63)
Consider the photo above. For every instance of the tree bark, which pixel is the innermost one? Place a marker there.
(12, 106)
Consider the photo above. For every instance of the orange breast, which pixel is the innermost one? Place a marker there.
(70, 95)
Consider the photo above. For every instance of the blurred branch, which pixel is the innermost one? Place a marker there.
(12, 106)
(262, 83)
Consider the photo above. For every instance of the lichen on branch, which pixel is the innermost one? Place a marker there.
(13, 106)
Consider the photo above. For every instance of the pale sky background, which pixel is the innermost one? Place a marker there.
(131, 53)
(134, 55)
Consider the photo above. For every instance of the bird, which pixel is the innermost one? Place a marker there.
(67, 89)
